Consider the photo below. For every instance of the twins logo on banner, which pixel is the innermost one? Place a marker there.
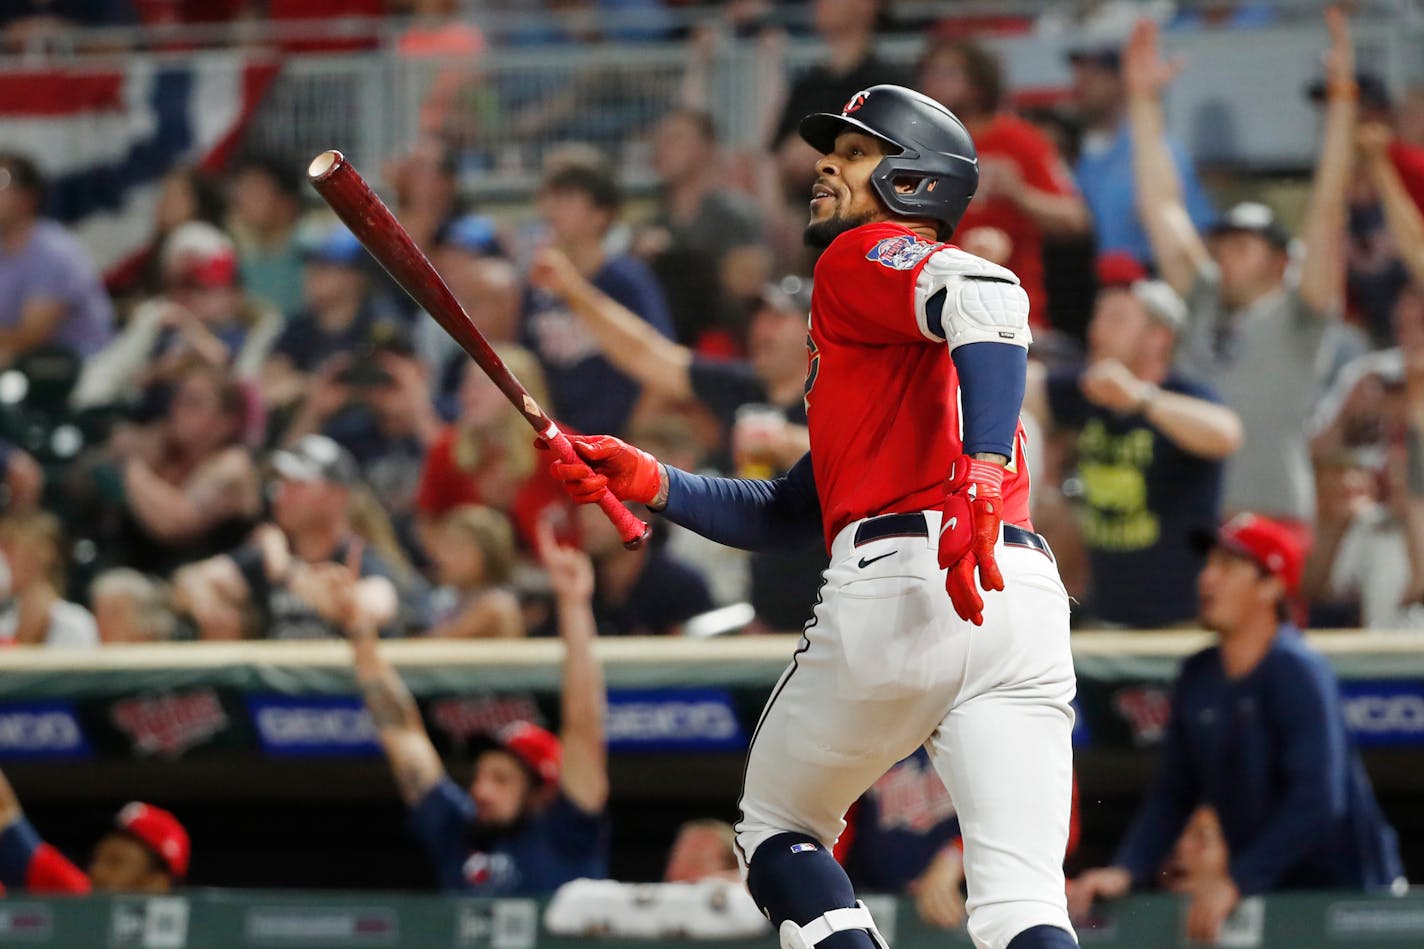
(169, 723)
(465, 718)
(105, 137)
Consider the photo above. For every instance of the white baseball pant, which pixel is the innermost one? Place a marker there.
(885, 666)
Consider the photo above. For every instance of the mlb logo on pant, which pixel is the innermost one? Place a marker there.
(802, 848)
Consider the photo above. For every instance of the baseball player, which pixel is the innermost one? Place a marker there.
(146, 851)
(916, 481)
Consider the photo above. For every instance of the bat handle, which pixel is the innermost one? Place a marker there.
(633, 531)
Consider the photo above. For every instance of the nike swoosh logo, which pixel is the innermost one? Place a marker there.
(865, 563)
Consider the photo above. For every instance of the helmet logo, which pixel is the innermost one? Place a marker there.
(856, 101)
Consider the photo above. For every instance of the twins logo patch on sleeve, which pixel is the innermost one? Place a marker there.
(901, 253)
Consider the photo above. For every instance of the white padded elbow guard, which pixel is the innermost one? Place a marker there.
(983, 302)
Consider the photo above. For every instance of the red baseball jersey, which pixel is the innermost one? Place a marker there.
(882, 395)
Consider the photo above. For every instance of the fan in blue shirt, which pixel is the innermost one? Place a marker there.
(1257, 732)
(532, 818)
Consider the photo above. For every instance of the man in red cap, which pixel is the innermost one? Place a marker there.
(146, 852)
(532, 817)
(1257, 732)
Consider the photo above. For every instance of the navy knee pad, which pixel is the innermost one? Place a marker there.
(1044, 937)
(792, 877)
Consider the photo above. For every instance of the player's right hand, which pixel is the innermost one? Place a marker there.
(969, 529)
(630, 473)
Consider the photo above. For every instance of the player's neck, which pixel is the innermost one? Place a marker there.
(923, 229)
(1244, 649)
(685, 197)
(586, 256)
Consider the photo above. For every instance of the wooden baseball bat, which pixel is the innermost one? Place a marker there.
(342, 187)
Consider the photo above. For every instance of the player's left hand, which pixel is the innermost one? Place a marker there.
(973, 510)
(607, 462)
(1214, 898)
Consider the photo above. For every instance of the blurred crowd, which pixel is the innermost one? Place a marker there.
(423, 27)
(251, 433)
(187, 437)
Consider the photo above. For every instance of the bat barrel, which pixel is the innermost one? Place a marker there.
(342, 187)
(325, 165)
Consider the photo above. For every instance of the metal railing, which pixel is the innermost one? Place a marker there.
(503, 23)
(503, 110)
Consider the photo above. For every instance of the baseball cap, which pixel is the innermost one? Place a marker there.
(1274, 547)
(1373, 91)
(1253, 217)
(199, 254)
(336, 245)
(474, 234)
(160, 831)
(1161, 302)
(316, 458)
(537, 747)
(1096, 52)
(1118, 268)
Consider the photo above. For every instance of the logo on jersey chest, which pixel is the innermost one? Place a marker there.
(489, 869)
(901, 253)
(912, 797)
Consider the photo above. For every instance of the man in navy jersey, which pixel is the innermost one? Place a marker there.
(1258, 733)
(579, 202)
(532, 817)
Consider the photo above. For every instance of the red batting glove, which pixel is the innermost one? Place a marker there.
(973, 510)
(630, 473)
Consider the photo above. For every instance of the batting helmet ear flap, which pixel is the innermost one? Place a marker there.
(942, 195)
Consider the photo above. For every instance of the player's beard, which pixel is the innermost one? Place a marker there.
(820, 233)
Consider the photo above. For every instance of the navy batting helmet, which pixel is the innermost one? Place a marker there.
(935, 150)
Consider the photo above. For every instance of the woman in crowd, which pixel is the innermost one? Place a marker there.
(130, 607)
(488, 457)
(33, 611)
(474, 559)
(202, 317)
(184, 487)
(184, 194)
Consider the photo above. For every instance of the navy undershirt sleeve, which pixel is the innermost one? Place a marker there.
(752, 515)
(991, 391)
